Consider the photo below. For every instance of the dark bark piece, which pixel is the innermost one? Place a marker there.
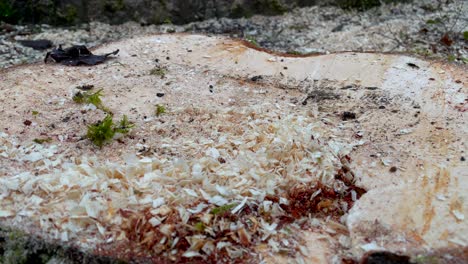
(412, 65)
(77, 55)
(40, 44)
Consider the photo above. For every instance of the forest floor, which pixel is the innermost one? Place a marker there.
(427, 28)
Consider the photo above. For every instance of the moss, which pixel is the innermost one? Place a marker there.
(434, 21)
(426, 260)
(160, 109)
(451, 58)
(42, 140)
(200, 227)
(222, 209)
(422, 52)
(90, 98)
(124, 126)
(95, 98)
(465, 35)
(159, 71)
(252, 40)
(101, 132)
(17, 247)
(104, 131)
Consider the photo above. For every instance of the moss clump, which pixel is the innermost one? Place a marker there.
(105, 130)
(159, 71)
(14, 248)
(124, 126)
(160, 109)
(222, 209)
(90, 98)
(200, 227)
(434, 21)
(42, 140)
(101, 132)
(17, 247)
(252, 40)
(94, 98)
(451, 58)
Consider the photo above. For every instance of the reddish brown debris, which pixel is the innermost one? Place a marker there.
(144, 240)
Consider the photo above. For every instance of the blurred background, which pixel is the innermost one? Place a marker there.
(428, 28)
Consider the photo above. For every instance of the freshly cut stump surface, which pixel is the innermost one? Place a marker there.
(257, 156)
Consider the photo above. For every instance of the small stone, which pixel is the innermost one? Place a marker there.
(85, 87)
(393, 169)
(256, 78)
(348, 115)
(412, 65)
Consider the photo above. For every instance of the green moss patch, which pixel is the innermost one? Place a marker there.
(222, 209)
(90, 98)
(160, 109)
(104, 131)
(17, 247)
